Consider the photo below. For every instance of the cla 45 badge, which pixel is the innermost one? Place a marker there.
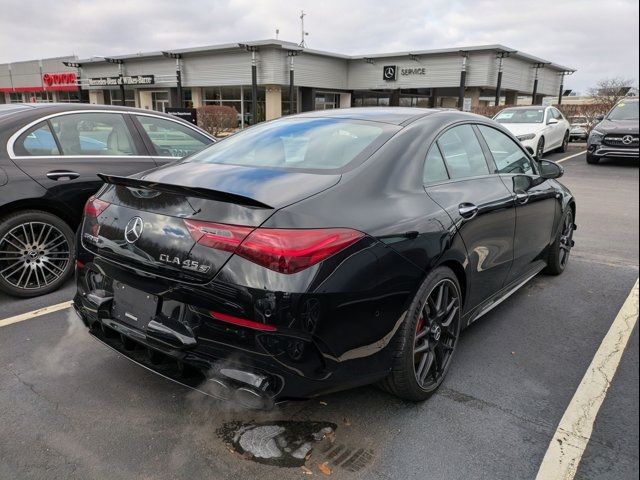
(187, 264)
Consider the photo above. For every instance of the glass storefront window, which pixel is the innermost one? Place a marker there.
(15, 97)
(187, 100)
(68, 97)
(286, 104)
(129, 97)
(327, 101)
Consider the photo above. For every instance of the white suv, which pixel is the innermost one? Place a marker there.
(539, 129)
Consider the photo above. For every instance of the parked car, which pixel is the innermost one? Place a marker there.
(616, 135)
(580, 127)
(320, 252)
(539, 129)
(50, 156)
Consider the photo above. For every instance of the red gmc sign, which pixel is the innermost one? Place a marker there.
(59, 79)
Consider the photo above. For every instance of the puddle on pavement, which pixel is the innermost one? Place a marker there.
(281, 443)
(293, 443)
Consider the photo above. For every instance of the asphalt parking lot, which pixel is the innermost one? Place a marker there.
(71, 408)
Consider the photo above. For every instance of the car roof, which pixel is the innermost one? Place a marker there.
(15, 113)
(393, 115)
(65, 107)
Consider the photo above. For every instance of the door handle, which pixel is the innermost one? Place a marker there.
(467, 210)
(60, 174)
(522, 197)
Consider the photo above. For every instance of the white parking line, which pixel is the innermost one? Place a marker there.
(35, 313)
(570, 157)
(574, 431)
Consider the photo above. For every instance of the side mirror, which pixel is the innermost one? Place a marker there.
(599, 118)
(549, 169)
(552, 121)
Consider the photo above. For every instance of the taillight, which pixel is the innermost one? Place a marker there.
(290, 251)
(94, 207)
(217, 235)
(279, 249)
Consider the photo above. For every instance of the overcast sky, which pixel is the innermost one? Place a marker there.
(598, 38)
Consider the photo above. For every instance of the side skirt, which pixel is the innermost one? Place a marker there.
(502, 295)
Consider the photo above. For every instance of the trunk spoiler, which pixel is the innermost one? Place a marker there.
(182, 190)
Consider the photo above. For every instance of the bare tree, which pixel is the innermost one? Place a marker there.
(610, 91)
(216, 119)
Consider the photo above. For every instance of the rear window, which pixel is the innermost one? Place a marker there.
(326, 145)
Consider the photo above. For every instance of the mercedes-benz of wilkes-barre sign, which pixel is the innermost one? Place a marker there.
(124, 80)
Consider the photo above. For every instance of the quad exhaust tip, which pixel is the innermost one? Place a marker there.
(251, 392)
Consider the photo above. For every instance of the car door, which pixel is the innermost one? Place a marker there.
(459, 179)
(169, 139)
(555, 128)
(536, 201)
(65, 152)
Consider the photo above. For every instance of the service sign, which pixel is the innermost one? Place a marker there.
(133, 80)
(391, 72)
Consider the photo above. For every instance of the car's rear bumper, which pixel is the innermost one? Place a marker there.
(245, 365)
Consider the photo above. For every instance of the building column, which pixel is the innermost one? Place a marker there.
(197, 97)
(345, 100)
(146, 100)
(273, 102)
(511, 98)
(474, 94)
(96, 97)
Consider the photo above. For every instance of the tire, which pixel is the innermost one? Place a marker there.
(540, 149)
(560, 250)
(565, 143)
(592, 159)
(37, 250)
(440, 340)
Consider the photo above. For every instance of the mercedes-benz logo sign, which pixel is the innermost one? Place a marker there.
(627, 139)
(133, 230)
(389, 72)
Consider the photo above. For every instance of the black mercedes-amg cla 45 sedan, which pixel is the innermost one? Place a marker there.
(320, 252)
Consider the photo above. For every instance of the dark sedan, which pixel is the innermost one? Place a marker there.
(320, 252)
(50, 155)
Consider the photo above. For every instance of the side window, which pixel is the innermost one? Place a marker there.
(462, 153)
(93, 134)
(508, 156)
(557, 114)
(172, 139)
(434, 169)
(36, 141)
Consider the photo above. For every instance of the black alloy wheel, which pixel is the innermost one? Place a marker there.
(36, 253)
(561, 248)
(426, 342)
(540, 149)
(436, 334)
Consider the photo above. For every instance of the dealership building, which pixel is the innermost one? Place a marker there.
(269, 78)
